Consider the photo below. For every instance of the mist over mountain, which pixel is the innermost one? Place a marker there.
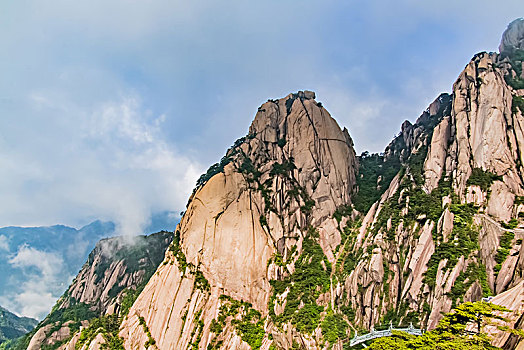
(38, 263)
(291, 240)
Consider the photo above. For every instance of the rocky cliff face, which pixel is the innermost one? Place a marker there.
(513, 37)
(115, 268)
(447, 210)
(292, 241)
(250, 213)
(447, 230)
(280, 245)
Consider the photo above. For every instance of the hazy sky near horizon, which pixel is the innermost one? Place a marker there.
(111, 109)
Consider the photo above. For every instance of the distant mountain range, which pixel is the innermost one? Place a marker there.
(115, 272)
(38, 263)
(292, 241)
(12, 326)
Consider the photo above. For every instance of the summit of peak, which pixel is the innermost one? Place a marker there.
(513, 36)
(306, 95)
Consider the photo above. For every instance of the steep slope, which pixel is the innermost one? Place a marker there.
(12, 326)
(67, 246)
(293, 242)
(248, 214)
(447, 229)
(114, 270)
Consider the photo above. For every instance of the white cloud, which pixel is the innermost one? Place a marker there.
(4, 244)
(148, 175)
(35, 300)
(109, 161)
(49, 264)
(44, 282)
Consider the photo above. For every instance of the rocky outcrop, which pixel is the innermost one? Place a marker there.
(513, 36)
(442, 232)
(292, 171)
(39, 337)
(512, 299)
(462, 176)
(114, 267)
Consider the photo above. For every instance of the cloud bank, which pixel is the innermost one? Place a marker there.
(43, 280)
(110, 162)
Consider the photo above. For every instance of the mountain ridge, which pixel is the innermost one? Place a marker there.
(113, 275)
(272, 253)
(13, 326)
(67, 247)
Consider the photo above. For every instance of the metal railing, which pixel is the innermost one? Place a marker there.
(358, 339)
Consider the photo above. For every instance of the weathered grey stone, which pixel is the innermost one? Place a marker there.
(513, 36)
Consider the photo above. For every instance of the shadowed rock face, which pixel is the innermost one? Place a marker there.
(513, 37)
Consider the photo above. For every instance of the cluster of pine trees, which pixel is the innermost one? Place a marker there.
(461, 329)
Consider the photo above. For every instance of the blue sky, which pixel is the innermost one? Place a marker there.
(111, 109)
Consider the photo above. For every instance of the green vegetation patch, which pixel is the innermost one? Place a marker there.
(510, 225)
(517, 104)
(334, 327)
(197, 330)
(516, 82)
(219, 167)
(474, 272)
(108, 326)
(201, 282)
(463, 241)
(516, 58)
(348, 257)
(150, 341)
(247, 321)
(374, 176)
(482, 178)
(503, 249)
(180, 257)
(310, 278)
(342, 211)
